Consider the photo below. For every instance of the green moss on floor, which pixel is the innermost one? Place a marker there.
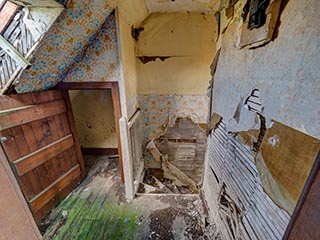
(94, 218)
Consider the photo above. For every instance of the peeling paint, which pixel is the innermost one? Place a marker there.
(146, 59)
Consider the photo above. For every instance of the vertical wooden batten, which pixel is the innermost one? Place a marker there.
(73, 130)
(117, 116)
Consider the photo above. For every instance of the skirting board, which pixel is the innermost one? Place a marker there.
(100, 151)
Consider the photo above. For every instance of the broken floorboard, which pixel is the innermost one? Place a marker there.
(97, 210)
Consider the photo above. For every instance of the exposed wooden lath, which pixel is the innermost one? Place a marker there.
(233, 176)
(19, 36)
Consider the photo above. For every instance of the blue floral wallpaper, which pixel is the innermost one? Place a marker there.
(100, 61)
(64, 46)
(159, 110)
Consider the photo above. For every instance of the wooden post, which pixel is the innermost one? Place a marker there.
(73, 130)
(127, 161)
(117, 116)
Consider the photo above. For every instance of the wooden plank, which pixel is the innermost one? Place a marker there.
(117, 116)
(100, 151)
(30, 137)
(73, 130)
(34, 113)
(15, 101)
(16, 219)
(85, 85)
(38, 215)
(10, 145)
(20, 140)
(47, 194)
(31, 161)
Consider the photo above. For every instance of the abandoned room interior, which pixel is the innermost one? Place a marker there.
(160, 119)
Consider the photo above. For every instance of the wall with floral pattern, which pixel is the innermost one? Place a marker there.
(63, 47)
(161, 109)
(100, 60)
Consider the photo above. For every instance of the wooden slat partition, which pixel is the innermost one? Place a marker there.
(232, 173)
(39, 139)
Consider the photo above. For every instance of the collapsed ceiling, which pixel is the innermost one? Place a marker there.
(182, 5)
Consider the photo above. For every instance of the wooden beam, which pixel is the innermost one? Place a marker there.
(35, 112)
(85, 85)
(100, 151)
(117, 116)
(33, 160)
(127, 161)
(12, 52)
(73, 130)
(47, 194)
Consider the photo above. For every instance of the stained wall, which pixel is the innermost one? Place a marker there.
(94, 118)
(180, 48)
(286, 72)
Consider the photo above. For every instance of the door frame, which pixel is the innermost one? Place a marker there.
(114, 87)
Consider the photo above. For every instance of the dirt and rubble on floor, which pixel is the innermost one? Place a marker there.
(97, 209)
(155, 182)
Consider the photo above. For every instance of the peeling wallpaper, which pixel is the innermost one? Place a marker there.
(100, 60)
(286, 71)
(63, 45)
(158, 110)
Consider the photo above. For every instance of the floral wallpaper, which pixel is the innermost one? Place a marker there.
(158, 110)
(100, 61)
(64, 45)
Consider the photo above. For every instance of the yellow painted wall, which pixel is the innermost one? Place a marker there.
(93, 113)
(131, 13)
(189, 40)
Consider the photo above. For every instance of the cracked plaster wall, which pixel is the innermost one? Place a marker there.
(173, 84)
